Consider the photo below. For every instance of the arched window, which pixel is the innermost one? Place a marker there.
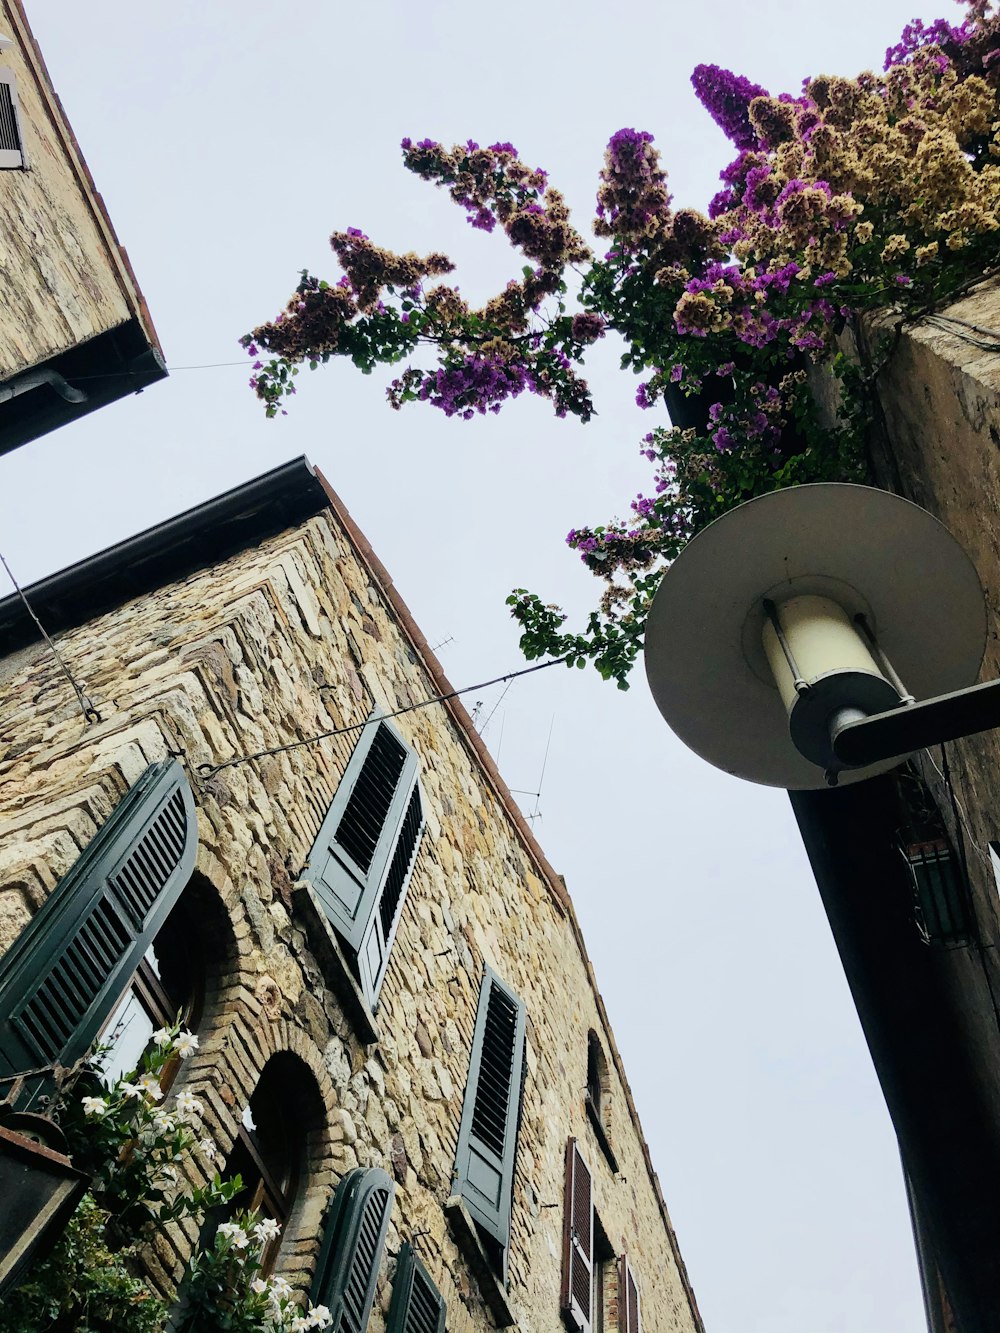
(271, 1149)
(598, 1096)
(168, 987)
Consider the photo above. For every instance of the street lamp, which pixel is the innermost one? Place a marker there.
(809, 637)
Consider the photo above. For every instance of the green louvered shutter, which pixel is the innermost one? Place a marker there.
(353, 1241)
(361, 861)
(417, 1305)
(487, 1136)
(63, 976)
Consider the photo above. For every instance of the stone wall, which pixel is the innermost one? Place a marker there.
(63, 277)
(938, 444)
(299, 636)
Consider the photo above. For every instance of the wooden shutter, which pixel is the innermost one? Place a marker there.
(353, 1241)
(361, 860)
(417, 1305)
(373, 957)
(487, 1136)
(578, 1241)
(11, 140)
(629, 1317)
(65, 973)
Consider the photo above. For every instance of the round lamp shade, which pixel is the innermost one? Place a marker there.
(869, 551)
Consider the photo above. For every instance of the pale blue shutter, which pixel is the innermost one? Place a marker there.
(351, 1255)
(361, 861)
(487, 1136)
(63, 976)
(417, 1305)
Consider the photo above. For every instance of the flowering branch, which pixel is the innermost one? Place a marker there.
(853, 195)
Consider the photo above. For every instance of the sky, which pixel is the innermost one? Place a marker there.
(228, 140)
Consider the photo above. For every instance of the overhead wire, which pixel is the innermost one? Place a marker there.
(90, 713)
(209, 770)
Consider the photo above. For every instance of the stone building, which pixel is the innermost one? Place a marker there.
(75, 332)
(907, 863)
(394, 1001)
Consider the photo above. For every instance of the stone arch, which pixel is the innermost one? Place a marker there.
(225, 1084)
(598, 1082)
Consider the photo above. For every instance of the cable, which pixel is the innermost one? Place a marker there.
(86, 706)
(961, 818)
(210, 770)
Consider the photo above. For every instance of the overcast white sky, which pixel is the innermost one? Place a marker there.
(228, 140)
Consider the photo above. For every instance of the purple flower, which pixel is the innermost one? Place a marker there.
(587, 327)
(357, 233)
(253, 350)
(903, 279)
(726, 97)
(676, 374)
(918, 34)
(642, 398)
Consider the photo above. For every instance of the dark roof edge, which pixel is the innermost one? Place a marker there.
(169, 551)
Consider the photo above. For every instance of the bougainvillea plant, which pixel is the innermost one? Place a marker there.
(880, 192)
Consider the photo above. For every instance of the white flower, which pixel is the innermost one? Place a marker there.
(150, 1085)
(258, 1286)
(167, 1175)
(300, 1324)
(129, 1090)
(235, 1234)
(163, 1122)
(94, 1105)
(266, 1229)
(186, 1044)
(163, 1036)
(320, 1317)
(207, 1149)
(188, 1106)
(280, 1291)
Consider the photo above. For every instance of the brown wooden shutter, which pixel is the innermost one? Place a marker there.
(629, 1317)
(578, 1242)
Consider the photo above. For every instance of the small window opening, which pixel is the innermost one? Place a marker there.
(11, 140)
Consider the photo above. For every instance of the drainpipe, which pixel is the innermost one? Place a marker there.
(34, 379)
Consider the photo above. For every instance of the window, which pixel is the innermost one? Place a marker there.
(11, 140)
(362, 859)
(491, 1112)
(168, 986)
(597, 1097)
(353, 1242)
(270, 1150)
(417, 1305)
(63, 977)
